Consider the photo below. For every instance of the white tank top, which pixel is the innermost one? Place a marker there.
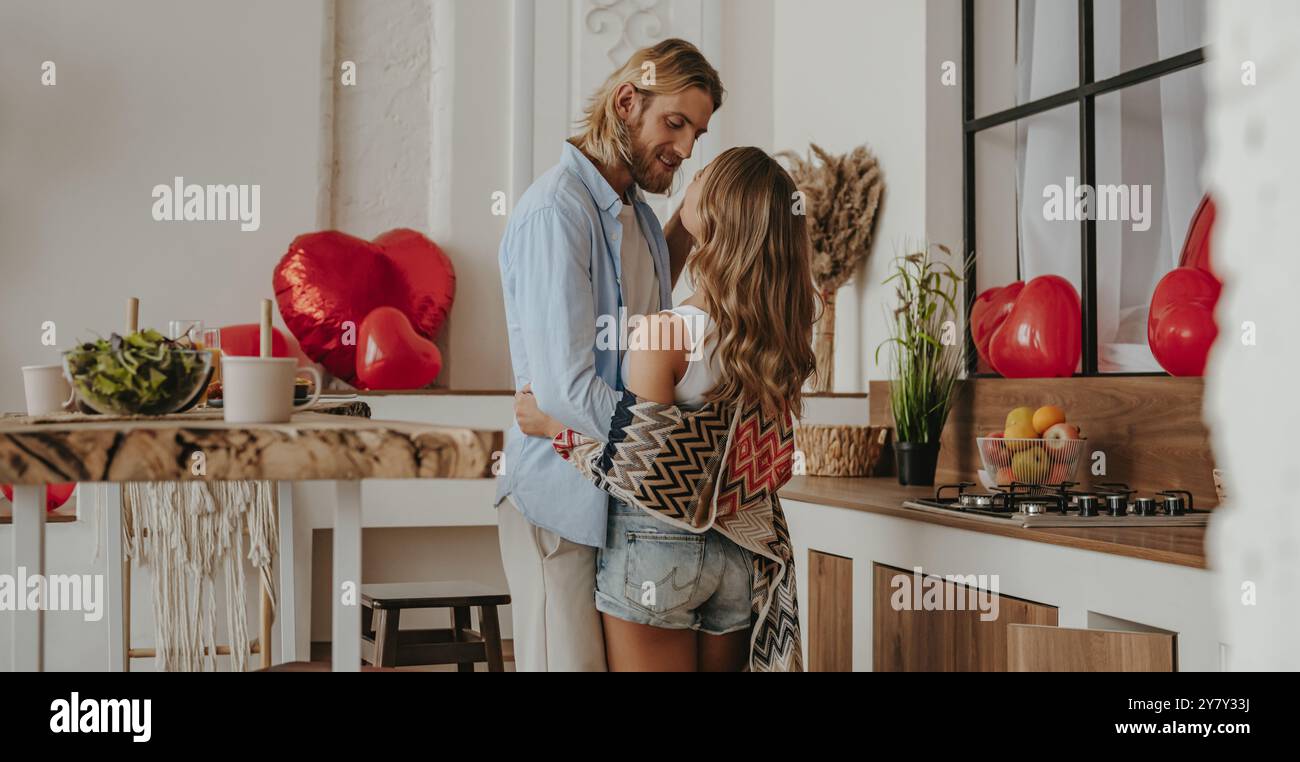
(702, 368)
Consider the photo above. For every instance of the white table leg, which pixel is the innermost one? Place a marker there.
(286, 613)
(28, 635)
(303, 551)
(118, 617)
(346, 640)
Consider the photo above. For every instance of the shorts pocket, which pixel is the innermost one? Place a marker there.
(662, 570)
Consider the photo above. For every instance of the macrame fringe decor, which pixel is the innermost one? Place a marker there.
(186, 533)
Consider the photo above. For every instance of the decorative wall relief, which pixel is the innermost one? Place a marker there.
(623, 26)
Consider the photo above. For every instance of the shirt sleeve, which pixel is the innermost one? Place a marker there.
(555, 308)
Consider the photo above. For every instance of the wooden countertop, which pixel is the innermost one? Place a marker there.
(1184, 546)
(313, 445)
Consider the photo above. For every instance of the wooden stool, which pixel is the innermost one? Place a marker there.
(383, 644)
(314, 666)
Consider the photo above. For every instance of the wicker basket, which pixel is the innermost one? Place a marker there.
(841, 450)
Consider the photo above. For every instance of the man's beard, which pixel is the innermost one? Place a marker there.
(648, 172)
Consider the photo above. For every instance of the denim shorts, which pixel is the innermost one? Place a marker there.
(652, 573)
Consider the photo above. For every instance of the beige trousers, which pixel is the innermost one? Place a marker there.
(552, 597)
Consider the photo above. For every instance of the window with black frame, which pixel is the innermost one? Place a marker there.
(1084, 134)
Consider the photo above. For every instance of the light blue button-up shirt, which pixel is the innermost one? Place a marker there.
(561, 274)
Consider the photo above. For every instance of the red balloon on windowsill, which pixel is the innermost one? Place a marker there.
(1180, 323)
(1180, 326)
(1196, 249)
(1030, 330)
(991, 308)
(55, 494)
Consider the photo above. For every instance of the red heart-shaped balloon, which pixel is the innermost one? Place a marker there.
(327, 280)
(1184, 285)
(1041, 337)
(391, 355)
(330, 279)
(1180, 325)
(989, 311)
(55, 494)
(429, 274)
(1196, 249)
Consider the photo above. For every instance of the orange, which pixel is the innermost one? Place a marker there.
(1047, 416)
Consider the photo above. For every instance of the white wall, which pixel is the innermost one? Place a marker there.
(1254, 542)
(147, 90)
(747, 68)
(845, 73)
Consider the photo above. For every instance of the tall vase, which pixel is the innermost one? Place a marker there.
(824, 346)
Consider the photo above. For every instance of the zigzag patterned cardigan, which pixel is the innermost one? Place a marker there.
(715, 468)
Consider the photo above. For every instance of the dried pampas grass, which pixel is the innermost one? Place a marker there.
(841, 195)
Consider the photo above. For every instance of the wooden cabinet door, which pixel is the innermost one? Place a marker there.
(830, 613)
(1054, 649)
(916, 640)
(908, 640)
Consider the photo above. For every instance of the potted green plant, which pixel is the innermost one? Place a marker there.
(926, 360)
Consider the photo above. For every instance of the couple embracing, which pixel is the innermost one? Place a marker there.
(639, 523)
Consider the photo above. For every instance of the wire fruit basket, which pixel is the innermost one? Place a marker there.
(1029, 461)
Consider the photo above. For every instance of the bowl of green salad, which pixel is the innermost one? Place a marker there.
(142, 373)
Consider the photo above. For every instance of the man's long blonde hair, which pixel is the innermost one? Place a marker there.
(667, 68)
(752, 267)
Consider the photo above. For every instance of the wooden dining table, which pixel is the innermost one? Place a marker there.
(319, 445)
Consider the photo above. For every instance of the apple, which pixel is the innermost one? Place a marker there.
(1058, 437)
(1030, 465)
(994, 451)
(1046, 417)
(1005, 476)
(1060, 473)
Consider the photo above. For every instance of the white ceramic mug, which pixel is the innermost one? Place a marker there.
(48, 390)
(260, 389)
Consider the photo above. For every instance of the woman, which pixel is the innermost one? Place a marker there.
(681, 601)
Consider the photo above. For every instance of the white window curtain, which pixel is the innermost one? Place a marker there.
(1147, 135)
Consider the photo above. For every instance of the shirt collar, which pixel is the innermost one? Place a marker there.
(599, 188)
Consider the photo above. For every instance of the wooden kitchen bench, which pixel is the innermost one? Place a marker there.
(1170, 545)
(1088, 598)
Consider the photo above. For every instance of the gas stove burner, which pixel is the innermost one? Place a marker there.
(960, 500)
(1061, 505)
(1177, 502)
(1144, 506)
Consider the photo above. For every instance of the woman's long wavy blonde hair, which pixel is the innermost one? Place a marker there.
(752, 269)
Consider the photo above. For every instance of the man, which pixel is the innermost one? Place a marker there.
(582, 245)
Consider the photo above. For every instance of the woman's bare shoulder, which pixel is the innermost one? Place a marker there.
(657, 356)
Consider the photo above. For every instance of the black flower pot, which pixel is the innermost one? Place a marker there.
(916, 462)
